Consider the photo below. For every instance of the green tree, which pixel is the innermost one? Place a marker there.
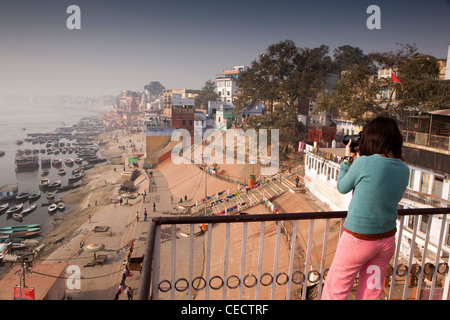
(357, 95)
(282, 78)
(207, 93)
(154, 90)
(347, 56)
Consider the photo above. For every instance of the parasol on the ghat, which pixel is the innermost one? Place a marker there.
(94, 247)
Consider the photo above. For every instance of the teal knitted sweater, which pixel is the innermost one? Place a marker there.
(378, 184)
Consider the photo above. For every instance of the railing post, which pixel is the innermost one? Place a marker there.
(397, 252)
(308, 256)
(291, 259)
(144, 285)
(438, 256)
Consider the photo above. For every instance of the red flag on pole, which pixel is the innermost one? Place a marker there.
(395, 79)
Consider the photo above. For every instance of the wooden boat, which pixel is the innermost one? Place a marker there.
(23, 196)
(27, 162)
(96, 160)
(46, 162)
(78, 160)
(61, 206)
(17, 246)
(6, 238)
(87, 166)
(54, 184)
(44, 182)
(29, 209)
(2, 153)
(69, 162)
(21, 227)
(17, 216)
(16, 233)
(53, 207)
(50, 195)
(15, 209)
(77, 170)
(19, 142)
(34, 196)
(8, 192)
(44, 172)
(30, 234)
(3, 207)
(76, 177)
(57, 162)
(62, 172)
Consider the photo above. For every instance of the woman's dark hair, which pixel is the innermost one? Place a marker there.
(381, 136)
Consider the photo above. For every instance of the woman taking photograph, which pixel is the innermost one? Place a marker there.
(378, 178)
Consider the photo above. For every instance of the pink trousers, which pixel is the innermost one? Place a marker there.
(353, 256)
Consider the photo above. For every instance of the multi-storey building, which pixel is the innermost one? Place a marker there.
(179, 110)
(227, 83)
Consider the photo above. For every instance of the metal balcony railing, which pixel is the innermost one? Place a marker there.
(282, 256)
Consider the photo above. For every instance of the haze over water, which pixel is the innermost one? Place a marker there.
(16, 121)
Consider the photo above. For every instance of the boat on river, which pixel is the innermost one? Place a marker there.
(27, 162)
(44, 182)
(8, 192)
(52, 208)
(23, 196)
(3, 207)
(29, 209)
(15, 209)
(34, 196)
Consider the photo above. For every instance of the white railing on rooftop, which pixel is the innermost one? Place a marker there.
(172, 268)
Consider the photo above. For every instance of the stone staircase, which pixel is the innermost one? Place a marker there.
(235, 202)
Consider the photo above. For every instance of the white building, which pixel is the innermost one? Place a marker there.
(199, 123)
(227, 83)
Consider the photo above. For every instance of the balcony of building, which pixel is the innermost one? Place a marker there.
(284, 256)
(428, 131)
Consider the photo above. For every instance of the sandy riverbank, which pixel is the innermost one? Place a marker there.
(97, 187)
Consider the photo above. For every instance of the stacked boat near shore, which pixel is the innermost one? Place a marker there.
(79, 140)
(8, 192)
(27, 162)
(20, 231)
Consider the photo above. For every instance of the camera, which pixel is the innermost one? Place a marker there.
(356, 138)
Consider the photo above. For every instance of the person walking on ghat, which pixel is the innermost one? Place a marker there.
(297, 179)
(378, 178)
(137, 216)
(145, 214)
(154, 206)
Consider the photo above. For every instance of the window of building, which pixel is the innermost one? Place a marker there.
(424, 223)
(437, 186)
(411, 178)
(425, 183)
(411, 222)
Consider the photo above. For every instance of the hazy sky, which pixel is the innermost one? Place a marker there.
(127, 44)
